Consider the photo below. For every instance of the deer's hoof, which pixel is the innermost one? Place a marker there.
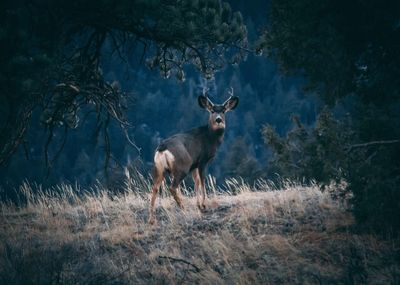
(180, 205)
(201, 207)
(152, 221)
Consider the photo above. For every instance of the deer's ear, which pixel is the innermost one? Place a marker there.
(205, 103)
(231, 103)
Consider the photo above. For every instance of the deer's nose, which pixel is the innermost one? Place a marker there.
(218, 120)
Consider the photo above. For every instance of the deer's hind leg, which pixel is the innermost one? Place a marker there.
(158, 177)
(179, 169)
(176, 181)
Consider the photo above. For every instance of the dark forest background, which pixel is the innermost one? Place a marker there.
(157, 107)
(89, 88)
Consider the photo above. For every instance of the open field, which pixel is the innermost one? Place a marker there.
(298, 235)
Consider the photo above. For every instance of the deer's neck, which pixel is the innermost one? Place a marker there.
(215, 136)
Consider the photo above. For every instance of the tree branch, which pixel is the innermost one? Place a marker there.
(174, 259)
(382, 142)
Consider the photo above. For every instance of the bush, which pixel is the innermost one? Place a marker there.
(328, 153)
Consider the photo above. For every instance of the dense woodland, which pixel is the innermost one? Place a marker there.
(89, 88)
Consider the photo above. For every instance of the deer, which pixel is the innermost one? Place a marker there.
(190, 151)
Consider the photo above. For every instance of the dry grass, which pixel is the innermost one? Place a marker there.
(294, 236)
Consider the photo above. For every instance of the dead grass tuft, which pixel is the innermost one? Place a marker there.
(299, 235)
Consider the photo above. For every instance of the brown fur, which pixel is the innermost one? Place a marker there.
(190, 151)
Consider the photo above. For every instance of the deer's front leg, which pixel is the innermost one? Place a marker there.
(203, 189)
(199, 188)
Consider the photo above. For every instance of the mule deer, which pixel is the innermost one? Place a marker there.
(191, 151)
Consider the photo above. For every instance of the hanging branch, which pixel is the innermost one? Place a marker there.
(367, 144)
(107, 146)
(10, 144)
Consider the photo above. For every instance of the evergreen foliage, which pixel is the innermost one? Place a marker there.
(349, 54)
(312, 154)
(51, 55)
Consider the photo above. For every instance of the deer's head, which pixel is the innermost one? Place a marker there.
(216, 120)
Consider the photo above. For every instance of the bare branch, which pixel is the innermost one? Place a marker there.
(60, 149)
(65, 86)
(174, 259)
(107, 146)
(230, 92)
(117, 48)
(383, 142)
(46, 148)
(138, 149)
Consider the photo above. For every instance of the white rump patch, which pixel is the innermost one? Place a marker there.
(164, 160)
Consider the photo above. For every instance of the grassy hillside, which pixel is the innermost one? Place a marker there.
(298, 235)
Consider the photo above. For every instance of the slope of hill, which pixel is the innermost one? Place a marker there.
(299, 235)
